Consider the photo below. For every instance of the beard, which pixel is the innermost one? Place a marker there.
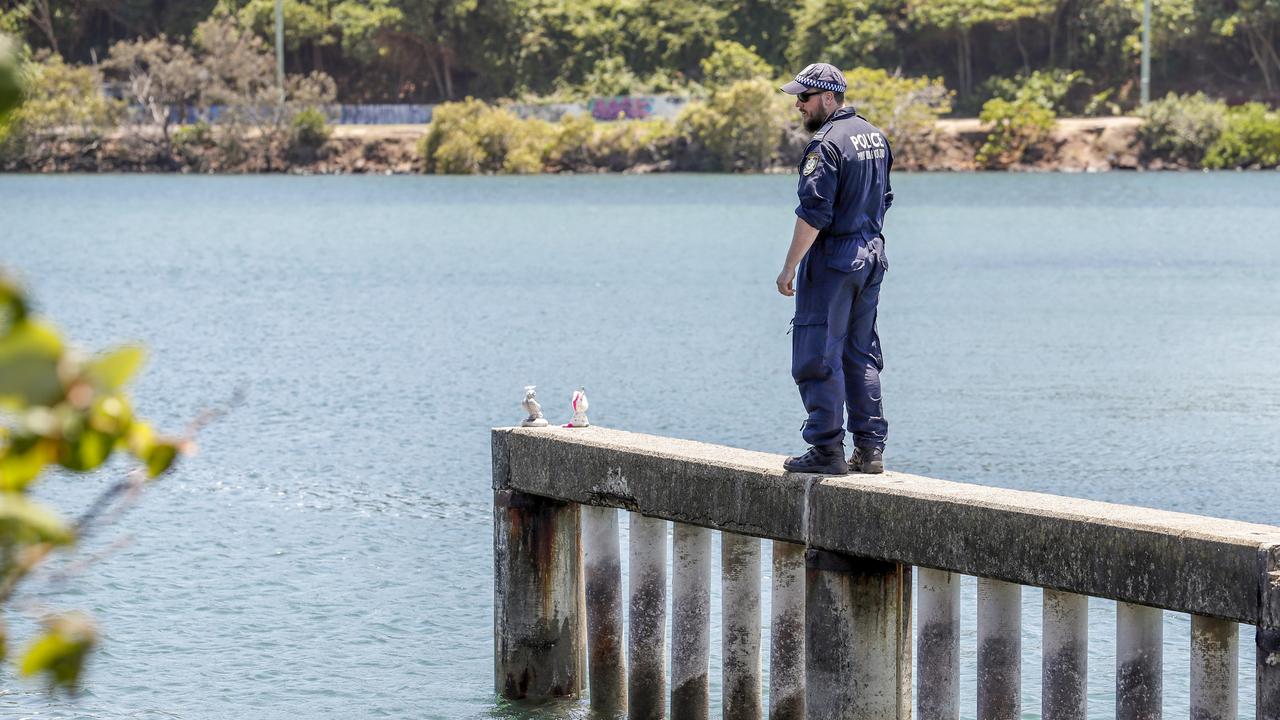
(815, 121)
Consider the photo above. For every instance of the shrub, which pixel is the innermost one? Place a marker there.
(1182, 128)
(904, 108)
(1048, 88)
(622, 145)
(1018, 125)
(192, 144)
(59, 99)
(739, 128)
(1251, 137)
(471, 137)
(309, 129)
(571, 147)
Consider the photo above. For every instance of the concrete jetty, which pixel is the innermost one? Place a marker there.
(848, 554)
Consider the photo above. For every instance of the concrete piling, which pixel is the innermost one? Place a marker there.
(858, 638)
(999, 650)
(1267, 635)
(538, 623)
(691, 623)
(1139, 662)
(1268, 644)
(647, 629)
(740, 626)
(602, 567)
(786, 633)
(1065, 660)
(938, 645)
(1214, 664)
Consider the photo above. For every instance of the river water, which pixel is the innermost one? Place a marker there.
(329, 551)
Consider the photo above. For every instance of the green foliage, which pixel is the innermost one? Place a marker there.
(581, 143)
(60, 100)
(10, 79)
(309, 128)
(58, 408)
(610, 77)
(1018, 125)
(1182, 128)
(471, 137)
(738, 128)
(904, 108)
(363, 25)
(303, 22)
(1047, 88)
(61, 651)
(964, 14)
(1251, 138)
(730, 62)
(845, 33)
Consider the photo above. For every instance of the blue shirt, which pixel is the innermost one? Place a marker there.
(844, 178)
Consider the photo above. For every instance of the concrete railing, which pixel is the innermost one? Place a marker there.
(844, 552)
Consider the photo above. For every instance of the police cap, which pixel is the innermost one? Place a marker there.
(818, 76)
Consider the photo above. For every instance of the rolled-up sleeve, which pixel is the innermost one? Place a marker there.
(819, 176)
(888, 184)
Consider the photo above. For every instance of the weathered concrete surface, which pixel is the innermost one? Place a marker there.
(538, 623)
(1267, 641)
(691, 623)
(857, 638)
(786, 633)
(1081, 546)
(740, 627)
(723, 488)
(647, 629)
(602, 567)
(1267, 635)
(1175, 561)
(938, 645)
(999, 650)
(1139, 662)
(1215, 664)
(1065, 659)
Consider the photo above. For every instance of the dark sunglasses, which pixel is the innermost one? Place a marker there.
(804, 96)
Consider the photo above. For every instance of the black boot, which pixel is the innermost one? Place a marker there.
(867, 460)
(826, 459)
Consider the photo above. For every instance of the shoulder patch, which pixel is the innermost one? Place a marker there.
(810, 163)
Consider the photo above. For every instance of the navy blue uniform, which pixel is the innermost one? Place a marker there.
(844, 192)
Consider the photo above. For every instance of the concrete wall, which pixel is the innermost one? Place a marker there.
(1174, 561)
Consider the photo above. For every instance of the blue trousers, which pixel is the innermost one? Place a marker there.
(835, 350)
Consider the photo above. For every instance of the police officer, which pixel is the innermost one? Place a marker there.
(834, 268)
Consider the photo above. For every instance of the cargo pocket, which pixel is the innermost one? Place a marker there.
(809, 348)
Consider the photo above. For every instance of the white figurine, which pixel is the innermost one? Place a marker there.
(579, 409)
(532, 407)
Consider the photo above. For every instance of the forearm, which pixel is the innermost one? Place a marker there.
(802, 238)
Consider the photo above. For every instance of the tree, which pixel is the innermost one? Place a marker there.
(228, 80)
(1258, 21)
(730, 61)
(765, 25)
(161, 79)
(960, 17)
(845, 33)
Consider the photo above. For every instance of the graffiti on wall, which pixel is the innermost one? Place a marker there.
(626, 107)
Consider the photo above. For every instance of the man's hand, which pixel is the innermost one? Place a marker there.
(802, 238)
(785, 279)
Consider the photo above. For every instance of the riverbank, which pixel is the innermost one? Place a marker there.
(1074, 145)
